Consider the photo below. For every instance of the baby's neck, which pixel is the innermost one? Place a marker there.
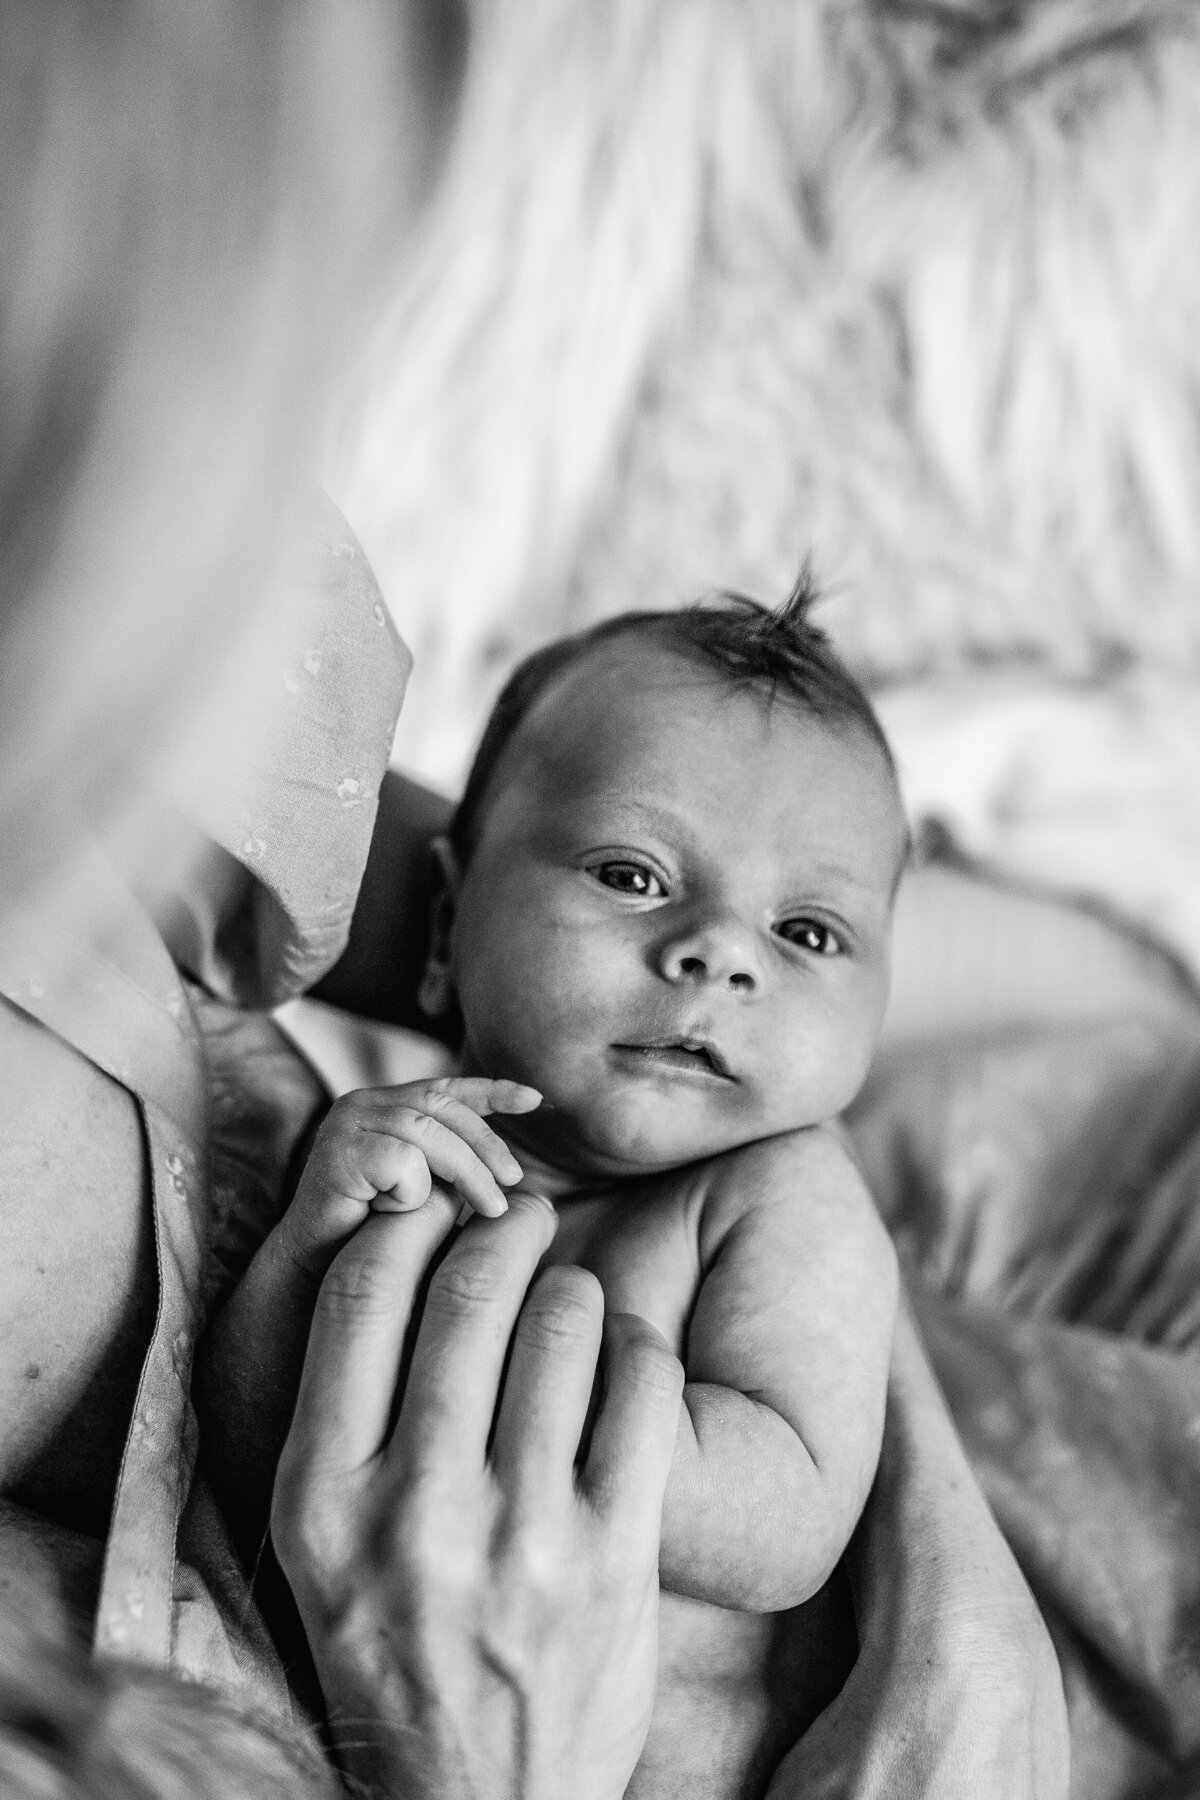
(553, 1164)
(542, 1171)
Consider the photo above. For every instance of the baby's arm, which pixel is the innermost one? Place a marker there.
(787, 1362)
(379, 1149)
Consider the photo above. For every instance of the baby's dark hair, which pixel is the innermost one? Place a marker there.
(776, 650)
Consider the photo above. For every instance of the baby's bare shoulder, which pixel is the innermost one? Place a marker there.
(802, 1183)
(769, 1169)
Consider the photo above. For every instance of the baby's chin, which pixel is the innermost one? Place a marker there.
(582, 1136)
(591, 1145)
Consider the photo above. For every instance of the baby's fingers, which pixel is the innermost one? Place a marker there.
(394, 1173)
(463, 1154)
(483, 1095)
(457, 1112)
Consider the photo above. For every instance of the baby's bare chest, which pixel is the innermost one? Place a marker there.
(641, 1240)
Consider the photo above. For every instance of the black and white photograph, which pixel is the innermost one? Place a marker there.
(600, 899)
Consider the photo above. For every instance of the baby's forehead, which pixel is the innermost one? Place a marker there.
(623, 713)
(634, 718)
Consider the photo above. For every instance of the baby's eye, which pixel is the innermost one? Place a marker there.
(810, 935)
(630, 878)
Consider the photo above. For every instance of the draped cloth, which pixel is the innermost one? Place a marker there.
(221, 1095)
(1043, 1189)
(1043, 1186)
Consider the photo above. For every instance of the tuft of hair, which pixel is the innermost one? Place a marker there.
(73, 1727)
(776, 650)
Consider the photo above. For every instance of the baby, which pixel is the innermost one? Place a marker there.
(662, 916)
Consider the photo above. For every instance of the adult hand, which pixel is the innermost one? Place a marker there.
(956, 1689)
(481, 1612)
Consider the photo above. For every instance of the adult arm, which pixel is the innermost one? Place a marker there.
(380, 969)
(956, 1689)
(47, 1570)
(481, 1612)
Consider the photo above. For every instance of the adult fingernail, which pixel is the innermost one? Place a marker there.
(551, 1217)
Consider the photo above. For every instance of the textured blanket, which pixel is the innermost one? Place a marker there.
(1044, 1191)
(712, 283)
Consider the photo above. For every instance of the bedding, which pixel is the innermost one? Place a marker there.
(1042, 1185)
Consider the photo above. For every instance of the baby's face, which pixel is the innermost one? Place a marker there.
(676, 920)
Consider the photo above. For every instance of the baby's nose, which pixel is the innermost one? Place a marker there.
(722, 953)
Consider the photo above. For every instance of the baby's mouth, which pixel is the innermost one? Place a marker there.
(694, 1056)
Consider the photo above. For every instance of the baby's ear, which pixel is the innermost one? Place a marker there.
(436, 996)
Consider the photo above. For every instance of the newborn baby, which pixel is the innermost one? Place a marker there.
(663, 917)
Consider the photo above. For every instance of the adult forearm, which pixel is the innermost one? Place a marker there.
(956, 1689)
(936, 1517)
(45, 1566)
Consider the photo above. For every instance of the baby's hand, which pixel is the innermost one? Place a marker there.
(381, 1149)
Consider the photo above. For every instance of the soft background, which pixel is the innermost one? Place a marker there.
(713, 282)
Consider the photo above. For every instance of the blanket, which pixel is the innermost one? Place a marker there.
(1043, 1189)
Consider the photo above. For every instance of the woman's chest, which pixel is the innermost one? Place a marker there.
(77, 1281)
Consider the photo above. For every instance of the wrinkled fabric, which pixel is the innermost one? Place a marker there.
(1043, 1188)
(223, 1096)
(1086, 790)
(294, 831)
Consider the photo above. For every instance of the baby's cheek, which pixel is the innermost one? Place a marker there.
(573, 1030)
(852, 1059)
(820, 1068)
(530, 1029)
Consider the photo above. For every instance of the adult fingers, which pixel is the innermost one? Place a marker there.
(356, 1341)
(458, 1360)
(548, 1384)
(633, 1437)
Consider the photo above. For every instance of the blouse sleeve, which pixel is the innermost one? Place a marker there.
(299, 822)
